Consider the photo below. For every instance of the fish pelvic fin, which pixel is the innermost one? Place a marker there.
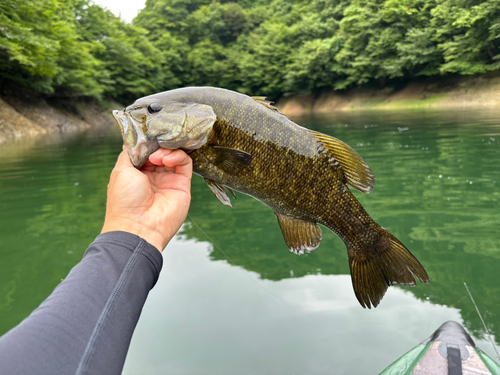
(358, 174)
(231, 191)
(377, 266)
(299, 235)
(220, 192)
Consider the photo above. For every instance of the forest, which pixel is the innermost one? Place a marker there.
(75, 48)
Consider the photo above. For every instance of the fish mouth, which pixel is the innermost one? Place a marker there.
(127, 128)
(137, 144)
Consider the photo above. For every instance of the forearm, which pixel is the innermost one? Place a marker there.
(86, 324)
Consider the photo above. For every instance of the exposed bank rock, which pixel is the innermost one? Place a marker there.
(482, 91)
(31, 116)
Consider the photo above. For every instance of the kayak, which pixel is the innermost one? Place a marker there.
(449, 350)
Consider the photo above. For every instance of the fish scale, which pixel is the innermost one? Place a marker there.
(244, 144)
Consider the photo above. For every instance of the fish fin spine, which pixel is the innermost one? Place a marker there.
(382, 264)
(267, 103)
(358, 174)
(231, 191)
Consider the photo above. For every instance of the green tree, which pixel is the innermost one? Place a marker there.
(40, 48)
(131, 66)
(257, 47)
(468, 35)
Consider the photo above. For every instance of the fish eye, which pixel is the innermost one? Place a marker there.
(154, 108)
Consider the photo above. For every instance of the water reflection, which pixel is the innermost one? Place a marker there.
(268, 310)
(212, 318)
(51, 207)
(436, 191)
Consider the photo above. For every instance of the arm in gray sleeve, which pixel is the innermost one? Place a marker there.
(86, 324)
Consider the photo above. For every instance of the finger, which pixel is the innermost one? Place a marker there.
(123, 161)
(157, 156)
(150, 167)
(180, 161)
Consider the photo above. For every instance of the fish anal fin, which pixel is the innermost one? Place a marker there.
(229, 159)
(376, 267)
(299, 235)
(357, 172)
(219, 192)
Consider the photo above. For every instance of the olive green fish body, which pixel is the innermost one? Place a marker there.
(300, 174)
(291, 171)
(311, 188)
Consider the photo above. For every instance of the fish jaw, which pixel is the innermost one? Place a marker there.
(137, 144)
(127, 128)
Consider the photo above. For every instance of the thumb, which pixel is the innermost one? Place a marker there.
(123, 161)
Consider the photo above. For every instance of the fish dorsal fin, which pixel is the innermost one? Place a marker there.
(219, 192)
(262, 100)
(267, 103)
(357, 172)
(299, 235)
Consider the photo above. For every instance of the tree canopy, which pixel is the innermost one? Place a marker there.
(256, 47)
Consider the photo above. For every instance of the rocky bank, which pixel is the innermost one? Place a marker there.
(29, 115)
(25, 114)
(481, 91)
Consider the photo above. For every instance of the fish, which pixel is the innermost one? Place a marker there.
(242, 143)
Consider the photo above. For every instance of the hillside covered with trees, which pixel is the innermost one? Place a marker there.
(76, 48)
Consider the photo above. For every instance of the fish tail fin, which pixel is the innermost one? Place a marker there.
(381, 264)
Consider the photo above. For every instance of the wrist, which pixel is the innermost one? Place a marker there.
(125, 225)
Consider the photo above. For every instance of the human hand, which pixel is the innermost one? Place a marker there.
(152, 202)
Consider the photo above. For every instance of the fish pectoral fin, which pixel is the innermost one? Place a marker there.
(229, 159)
(357, 172)
(219, 192)
(299, 235)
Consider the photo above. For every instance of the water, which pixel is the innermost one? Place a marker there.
(241, 302)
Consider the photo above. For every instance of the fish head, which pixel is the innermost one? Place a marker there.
(135, 139)
(151, 123)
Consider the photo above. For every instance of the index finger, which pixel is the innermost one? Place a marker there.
(180, 161)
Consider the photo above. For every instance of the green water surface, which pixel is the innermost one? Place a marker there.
(231, 298)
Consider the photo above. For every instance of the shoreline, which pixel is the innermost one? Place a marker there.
(25, 115)
(29, 116)
(482, 91)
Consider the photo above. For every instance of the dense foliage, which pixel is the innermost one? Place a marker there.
(256, 47)
(70, 48)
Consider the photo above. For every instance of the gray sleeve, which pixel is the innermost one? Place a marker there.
(86, 324)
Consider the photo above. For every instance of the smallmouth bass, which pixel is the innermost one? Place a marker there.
(240, 143)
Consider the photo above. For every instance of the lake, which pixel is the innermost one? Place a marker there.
(231, 298)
